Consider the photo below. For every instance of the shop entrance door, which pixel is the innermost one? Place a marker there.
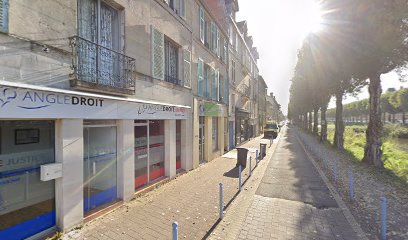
(149, 151)
(100, 159)
(141, 154)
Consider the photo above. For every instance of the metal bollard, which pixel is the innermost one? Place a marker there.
(239, 177)
(383, 218)
(351, 185)
(256, 158)
(325, 164)
(250, 166)
(221, 202)
(175, 231)
(335, 171)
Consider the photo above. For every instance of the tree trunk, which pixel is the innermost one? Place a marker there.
(323, 122)
(339, 125)
(393, 118)
(310, 127)
(305, 121)
(316, 121)
(372, 149)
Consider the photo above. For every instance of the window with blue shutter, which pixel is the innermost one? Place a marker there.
(4, 15)
(202, 24)
(226, 90)
(213, 84)
(200, 79)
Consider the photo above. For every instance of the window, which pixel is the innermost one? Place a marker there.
(233, 71)
(171, 62)
(202, 24)
(217, 40)
(99, 24)
(214, 133)
(213, 85)
(182, 11)
(3, 15)
(200, 82)
(220, 89)
(226, 90)
(187, 68)
(207, 79)
(216, 89)
(213, 45)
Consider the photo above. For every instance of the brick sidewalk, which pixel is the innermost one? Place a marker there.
(291, 201)
(191, 199)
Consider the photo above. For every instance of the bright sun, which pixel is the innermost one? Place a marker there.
(309, 18)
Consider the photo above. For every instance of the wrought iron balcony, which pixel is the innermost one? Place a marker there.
(173, 80)
(102, 69)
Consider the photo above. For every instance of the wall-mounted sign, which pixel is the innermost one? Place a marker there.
(210, 109)
(27, 103)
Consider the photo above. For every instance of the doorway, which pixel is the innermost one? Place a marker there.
(149, 151)
(100, 160)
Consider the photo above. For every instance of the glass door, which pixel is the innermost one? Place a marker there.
(141, 155)
(100, 172)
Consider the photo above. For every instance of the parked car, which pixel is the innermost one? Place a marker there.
(271, 130)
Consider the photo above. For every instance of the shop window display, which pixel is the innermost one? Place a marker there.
(27, 204)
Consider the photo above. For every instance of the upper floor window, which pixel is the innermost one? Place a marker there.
(171, 52)
(100, 44)
(179, 6)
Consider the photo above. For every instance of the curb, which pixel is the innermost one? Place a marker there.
(347, 214)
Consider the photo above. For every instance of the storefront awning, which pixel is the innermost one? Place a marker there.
(19, 100)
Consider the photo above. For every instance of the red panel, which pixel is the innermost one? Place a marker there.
(156, 173)
(140, 181)
(178, 164)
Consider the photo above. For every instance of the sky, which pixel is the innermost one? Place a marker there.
(278, 28)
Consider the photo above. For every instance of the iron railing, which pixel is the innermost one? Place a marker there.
(173, 80)
(101, 68)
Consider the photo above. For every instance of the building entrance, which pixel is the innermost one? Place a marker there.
(100, 160)
(149, 151)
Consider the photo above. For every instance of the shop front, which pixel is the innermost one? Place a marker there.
(85, 139)
(212, 130)
(27, 204)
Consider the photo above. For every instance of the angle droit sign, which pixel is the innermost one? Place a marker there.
(28, 103)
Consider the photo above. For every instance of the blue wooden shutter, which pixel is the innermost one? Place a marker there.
(200, 79)
(202, 24)
(4, 6)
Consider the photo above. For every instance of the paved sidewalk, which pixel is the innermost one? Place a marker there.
(191, 199)
(291, 201)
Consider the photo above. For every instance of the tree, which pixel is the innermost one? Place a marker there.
(380, 28)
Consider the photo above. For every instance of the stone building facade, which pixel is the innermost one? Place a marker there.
(100, 99)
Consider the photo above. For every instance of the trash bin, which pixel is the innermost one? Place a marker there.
(242, 156)
(262, 147)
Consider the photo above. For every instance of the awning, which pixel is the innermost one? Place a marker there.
(19, 100)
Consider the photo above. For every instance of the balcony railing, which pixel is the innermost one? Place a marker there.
(173, 80)
(101, 68)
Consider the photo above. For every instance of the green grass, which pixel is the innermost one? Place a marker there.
(395, 159)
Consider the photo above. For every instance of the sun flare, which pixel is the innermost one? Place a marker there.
(311, 19)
